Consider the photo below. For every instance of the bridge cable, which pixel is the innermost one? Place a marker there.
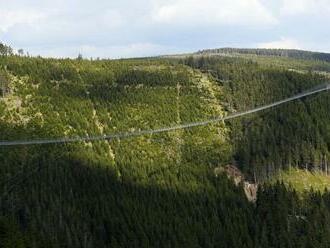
(125, 135)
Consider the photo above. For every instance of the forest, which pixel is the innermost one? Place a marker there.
(294, 135)
(160, 190)
(289, 53)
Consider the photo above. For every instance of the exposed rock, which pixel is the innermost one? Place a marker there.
(237, 176)
(251, 190)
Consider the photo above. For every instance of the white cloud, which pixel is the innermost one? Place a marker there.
(285, 43)
(123, 51)
(218, 12)
(125, 28)
(111, 19)
(298, 7)
(10, 18)
(111, 51)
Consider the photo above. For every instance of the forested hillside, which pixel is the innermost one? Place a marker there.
(289, 53)
(293, 135)
(158, 190)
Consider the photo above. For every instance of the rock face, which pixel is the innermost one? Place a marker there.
(251, 190)
(237, 176)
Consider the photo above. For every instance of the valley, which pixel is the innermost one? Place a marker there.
(164, 189)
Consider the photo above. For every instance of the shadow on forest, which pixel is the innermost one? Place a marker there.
(77, 203)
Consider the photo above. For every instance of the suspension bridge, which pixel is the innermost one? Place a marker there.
(125, 135)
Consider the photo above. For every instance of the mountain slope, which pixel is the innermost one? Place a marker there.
(295, 134)
(155, 190)
(102, 181)
(289, 53)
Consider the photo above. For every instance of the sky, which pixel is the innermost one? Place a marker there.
(127, 28)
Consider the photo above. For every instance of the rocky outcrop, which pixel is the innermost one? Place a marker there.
(250, 189)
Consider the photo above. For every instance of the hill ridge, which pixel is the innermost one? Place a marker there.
(290, 53)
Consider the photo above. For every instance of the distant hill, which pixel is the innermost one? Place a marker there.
(289, 53)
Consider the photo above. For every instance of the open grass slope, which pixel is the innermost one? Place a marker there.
(304, 181)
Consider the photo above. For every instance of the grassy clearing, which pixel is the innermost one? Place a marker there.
(303, 181)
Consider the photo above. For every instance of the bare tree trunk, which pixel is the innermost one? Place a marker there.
(326, 164)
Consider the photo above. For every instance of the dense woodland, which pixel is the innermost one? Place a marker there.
(294, 135)
(157, 190)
